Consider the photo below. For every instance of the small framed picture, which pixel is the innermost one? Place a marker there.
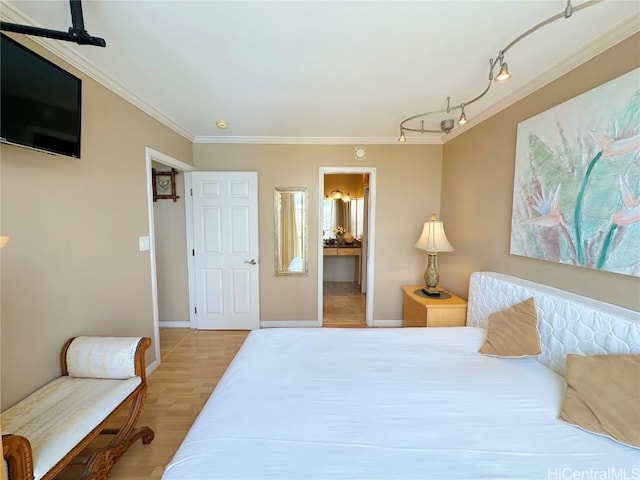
(164, 184)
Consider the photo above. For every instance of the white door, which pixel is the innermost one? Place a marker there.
(225, 239)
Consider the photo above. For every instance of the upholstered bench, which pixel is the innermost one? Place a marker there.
(47, 430)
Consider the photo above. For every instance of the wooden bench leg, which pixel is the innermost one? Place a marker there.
(100, 463)
(16, 450)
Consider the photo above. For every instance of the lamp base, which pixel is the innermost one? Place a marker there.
(431, 277)
(431, 291)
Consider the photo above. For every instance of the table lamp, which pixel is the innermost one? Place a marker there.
(433, 240)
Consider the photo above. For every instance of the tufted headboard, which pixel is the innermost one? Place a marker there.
(568, 323)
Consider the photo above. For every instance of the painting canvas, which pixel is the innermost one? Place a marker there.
(576, 197)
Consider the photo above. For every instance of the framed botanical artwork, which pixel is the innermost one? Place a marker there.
(576, 196)
(164, 184)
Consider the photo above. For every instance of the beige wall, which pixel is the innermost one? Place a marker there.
(73, 266)
(171, 253)
(408, 190)
(477, 185)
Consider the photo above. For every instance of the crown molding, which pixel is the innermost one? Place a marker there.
(11, 14)
(617, 34)
(427, 140)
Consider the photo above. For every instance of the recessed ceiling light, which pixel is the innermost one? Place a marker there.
(222, 124)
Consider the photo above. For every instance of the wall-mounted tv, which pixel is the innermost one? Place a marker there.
(40, 103)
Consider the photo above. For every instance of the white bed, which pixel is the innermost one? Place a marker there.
(410, 403)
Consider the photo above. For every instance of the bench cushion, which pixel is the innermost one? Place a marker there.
(58, 416)
(102, 357)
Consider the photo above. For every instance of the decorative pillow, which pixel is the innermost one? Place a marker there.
(513, 332)
(603, 396)
(102, 357)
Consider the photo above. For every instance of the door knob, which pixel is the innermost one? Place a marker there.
(251, 262)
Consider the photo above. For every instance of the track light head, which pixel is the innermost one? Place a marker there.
(463, 118)
(504, 74)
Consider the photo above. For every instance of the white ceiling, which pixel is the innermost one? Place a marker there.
(322, 71)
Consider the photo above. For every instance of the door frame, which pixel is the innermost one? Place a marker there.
(371, 238)
(150, 156)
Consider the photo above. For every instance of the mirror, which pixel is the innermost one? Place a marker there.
(290, 209)
(349, 216)
(343, 205)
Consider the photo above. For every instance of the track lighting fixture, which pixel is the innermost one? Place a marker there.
(568, 10)
(504, 74)
(499, 63)
(447, 125)
(463, 117)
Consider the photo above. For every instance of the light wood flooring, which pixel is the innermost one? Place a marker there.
(193, 361)
(343, 305)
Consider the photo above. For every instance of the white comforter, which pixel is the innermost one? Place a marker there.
(409, 403)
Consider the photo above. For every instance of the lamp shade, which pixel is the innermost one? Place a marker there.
(3, 241)
(433, 238)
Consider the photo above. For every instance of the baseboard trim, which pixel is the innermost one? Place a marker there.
(387, 323)
(288, 323)
(151, 368)
(174, 324)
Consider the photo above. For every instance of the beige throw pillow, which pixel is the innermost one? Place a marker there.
(603, 396)
(513, 332)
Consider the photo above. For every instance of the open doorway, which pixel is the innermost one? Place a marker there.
(346, 246)
(160, 161)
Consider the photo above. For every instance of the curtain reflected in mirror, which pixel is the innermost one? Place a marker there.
(290, 209)
(349, 215)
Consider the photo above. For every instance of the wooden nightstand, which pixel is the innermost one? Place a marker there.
(418, 310)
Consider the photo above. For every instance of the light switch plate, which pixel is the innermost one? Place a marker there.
(145, 243)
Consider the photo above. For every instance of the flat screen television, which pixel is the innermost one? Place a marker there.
(40, 103)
